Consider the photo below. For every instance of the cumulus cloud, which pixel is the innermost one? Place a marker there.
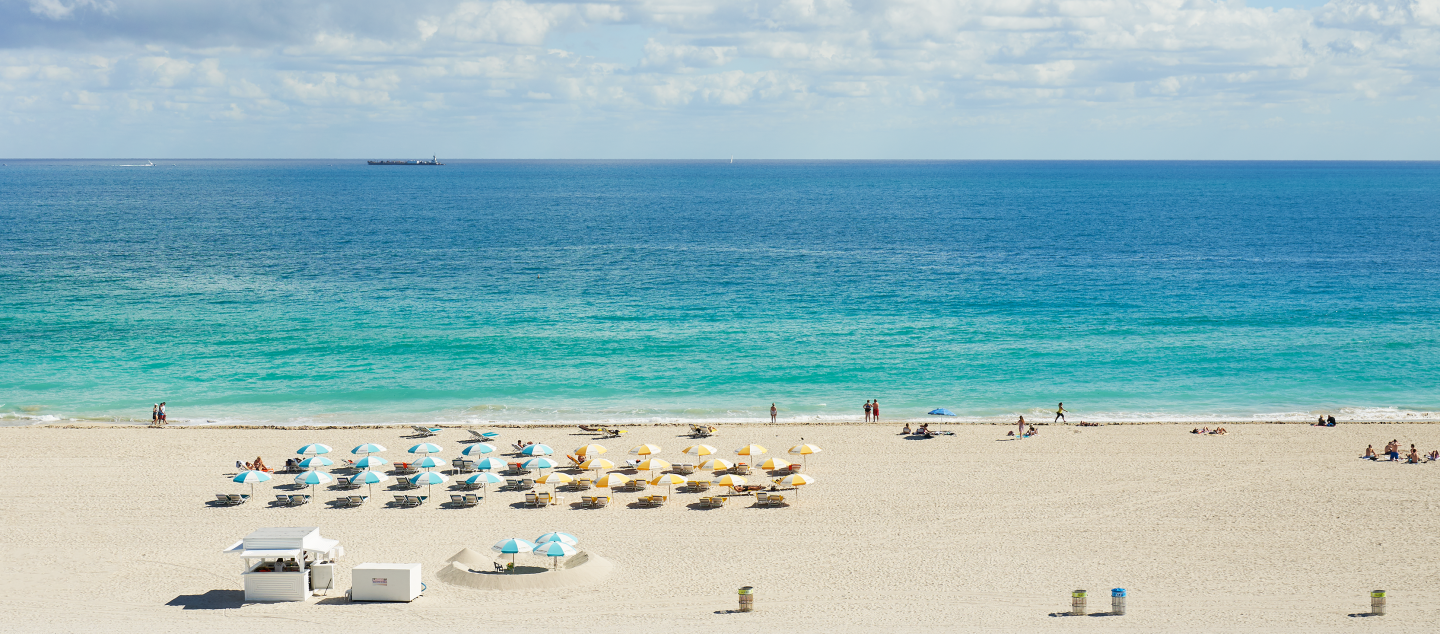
(943, 60)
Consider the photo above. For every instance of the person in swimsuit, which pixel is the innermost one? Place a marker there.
(1060, 412)
(162, 412)
(772, 412)
(875, 410)
(1022, 427)
(1370, 452)
(867, 411)
(906, 429)
(155, 414)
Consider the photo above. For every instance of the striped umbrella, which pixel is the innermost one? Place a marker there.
(645, 450)
(556, 478)
(555, 536)
(314, 462)
(367, 448)
(425, 448)
(370, 478)
(251, 477)
(612, 481)
(750, 450)
(716, 464)
(590, 451)
(371, 461)
(540, 463)
(796, 480)
(537, 450)
(596, 464)
(485, 479)
(775, 463)
(429, 462)
(313, 478)
(669, 480)
(804, 451)
(731, 481)
(477, 449)
(652, 465)
(555, 550)
(429, 479)
(513, 546)
(313, 449)
(700, 451)
(491, 463)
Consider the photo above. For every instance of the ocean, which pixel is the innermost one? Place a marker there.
(332, 292)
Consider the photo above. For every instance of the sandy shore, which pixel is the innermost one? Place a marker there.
(1271, 528)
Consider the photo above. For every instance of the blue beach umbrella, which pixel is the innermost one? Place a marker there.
(428, 478)
(313, 449)
(513, 546)
(491, 463)
(313, 478)
(371, 461)
(491, 434)
(537, 450)
(425, 448)
(477, 449)
(484, 479)
(429, 462)
(555, 550)
(941, 412)
(316, 461)
(540, 463)
(556, 536)
(371, 478)
(367, 448)
(251, 477)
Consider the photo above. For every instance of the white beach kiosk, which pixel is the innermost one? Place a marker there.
(286, 564)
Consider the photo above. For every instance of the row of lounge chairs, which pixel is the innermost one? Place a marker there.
(469, 499)
(425, 432)
(465, 500)
(410, 500)
(542, 498)
(594, 501)
(291, 500)
(232, 498)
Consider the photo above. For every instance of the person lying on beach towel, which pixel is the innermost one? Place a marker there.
(1219, 431)
(1434, 455)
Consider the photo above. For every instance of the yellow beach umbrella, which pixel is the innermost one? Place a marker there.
(596, 464)
(750, 450)
(556, 478)
(700, 451)
(645, 450)
(731, 481)
(652, 465)
(804, 451)
(669, 480)
(716, 464)
(796, 480)
(590, 451)
(612, 481)
(775, 463)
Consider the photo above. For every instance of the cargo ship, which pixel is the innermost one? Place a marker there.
(432, 161)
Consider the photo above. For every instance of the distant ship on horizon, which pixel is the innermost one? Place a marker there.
(432, 161)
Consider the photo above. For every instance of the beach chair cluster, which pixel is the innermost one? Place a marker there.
(769, 499)
(703, 431)
(425, 432)
(231, 499)
(714, 502)
(541, 499)
(291, 500)
(653, 500)
(410, 501)
(698, 484)
(465, 500)
(351, 501)
(594, 501)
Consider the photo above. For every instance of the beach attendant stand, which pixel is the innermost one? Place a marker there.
(286, 564)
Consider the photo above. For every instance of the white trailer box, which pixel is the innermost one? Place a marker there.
(385, 582)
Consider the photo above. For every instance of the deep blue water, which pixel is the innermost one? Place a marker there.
(336, 292)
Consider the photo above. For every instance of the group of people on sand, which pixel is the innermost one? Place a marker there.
(872, 411)
(157, 414)
(258, 465)
(922, 430)
(1325, 422)
(1392, 449)
(1218, 431)
(1026, 429)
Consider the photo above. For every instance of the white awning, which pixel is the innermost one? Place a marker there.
(271, 554)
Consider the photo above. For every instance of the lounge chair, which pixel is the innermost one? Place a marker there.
(602, 501)
(343, 483)
(683, 469)
(477, 435)
(654, 500)
(591, 429)
(587, 500)
(358, 500)
(527, 483)
(581, 485)
(417, 500)
(740, 468)
(282, 500)
(239, 498)
(543, 499)
(457, 500)
(762, 499)
(222, 498)
(777, 500)
(531, 499)
(401, 500)
(612, 433)
(631, 463)
(471, 499)
(299, 499)
(463, 466)
(425, 431)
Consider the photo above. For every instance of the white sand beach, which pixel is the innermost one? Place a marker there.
(1270, 528)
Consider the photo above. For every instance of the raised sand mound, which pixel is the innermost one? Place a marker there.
(473, 570)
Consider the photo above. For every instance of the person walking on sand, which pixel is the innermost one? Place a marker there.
(875, 411)
(772, 412)
(867, 410)
(155, 414)
(162, 412)
(1022, 428)
(1060, 413)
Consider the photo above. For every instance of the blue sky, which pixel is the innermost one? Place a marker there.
(707, 78)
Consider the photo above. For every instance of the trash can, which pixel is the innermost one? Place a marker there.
(1117, 601)
(1077, 603)
(1377, 603)
(747, 599)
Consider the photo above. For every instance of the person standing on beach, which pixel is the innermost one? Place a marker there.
(772, 412)
(155, 414)
(1060, 412)
(867, 410)
(875, 410)
(1022, 428)
(162, 412)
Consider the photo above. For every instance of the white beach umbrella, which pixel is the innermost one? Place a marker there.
(477, 449)
(251, 477)
(485, 479)
(513, 546)
(804, 451)
(315, 462)
(429, 479)
(774, 464)
(540, 463)
(313, 449)
(652, 465)
(796, 480)
(555, 550)
(367, 449)
(645, 450)
(491, 463)
(669, 480)
(596, 464)
(370, 478)
(590, 450)
(313, 478)
(700, 451)
(556, 478)
(425, 448)
(716, 464)
(556, 536)
(371, 461)
(537, 450)
(429, 462)
(750, 450)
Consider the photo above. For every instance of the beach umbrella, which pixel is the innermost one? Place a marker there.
(425, 448)
(485, 479)
(314, 462)
(796, 480)
(555, 536)
(716, 464)
(491, 463)
(940, 411)
(652, 465)
(775, 463)
(596, 464)
(477, 449)
(370, 478)
(612, 481)
(430, 462)
(512, 546)
(804, 451)
(540, 463)
(367, 448)
(731, 481)
(669, 480)
(590, 451)
(313, 478)
(645, 450)
(555, 550)
(429, 479)
(371, 461)
(556, 478)
(313, 449)
(537, 450)
(700, 451)
(251, 477)
(750, 450)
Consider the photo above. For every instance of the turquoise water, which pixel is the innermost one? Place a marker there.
(333, 292)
